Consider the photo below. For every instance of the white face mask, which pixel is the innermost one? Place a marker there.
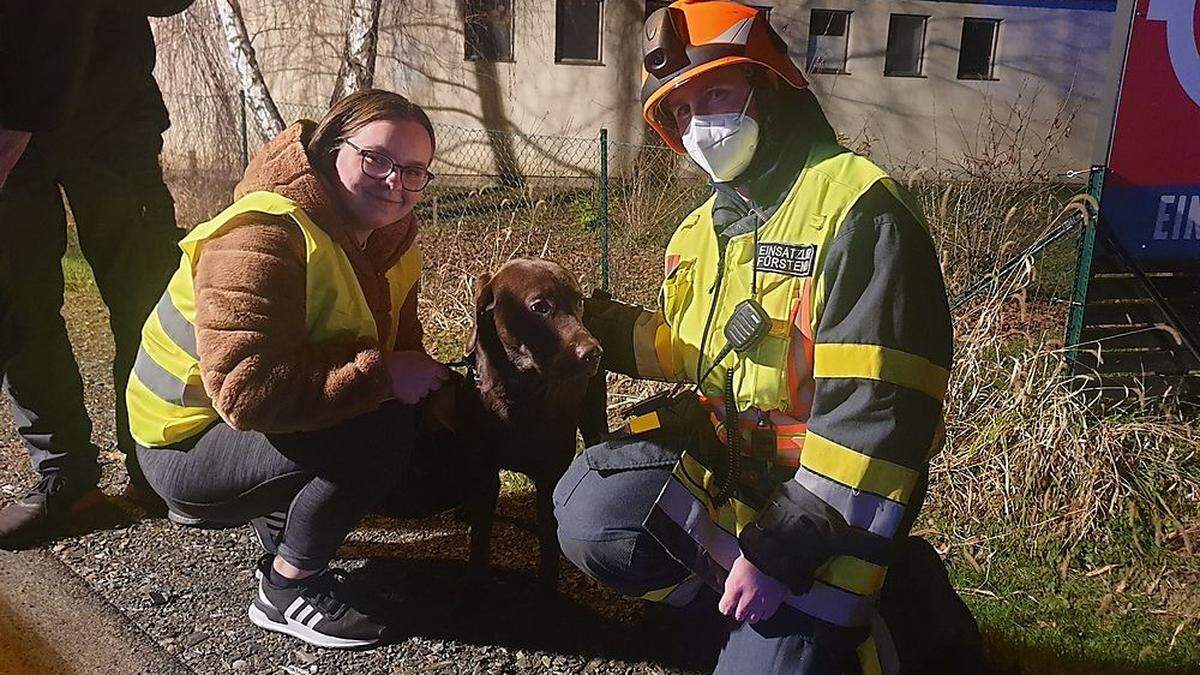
(723, 144)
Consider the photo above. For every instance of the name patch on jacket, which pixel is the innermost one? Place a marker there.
(795, 260)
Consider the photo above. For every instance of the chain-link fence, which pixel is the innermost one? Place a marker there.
(585, 193)
(608, 208)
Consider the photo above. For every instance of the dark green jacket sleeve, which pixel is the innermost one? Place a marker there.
(636, 341)
(881, 364)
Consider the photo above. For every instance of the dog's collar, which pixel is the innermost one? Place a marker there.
(467, 362)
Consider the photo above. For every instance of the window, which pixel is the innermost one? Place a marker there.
(905, 45)
(577, 31)
(828, 34)
(488, 29)
(977, 51)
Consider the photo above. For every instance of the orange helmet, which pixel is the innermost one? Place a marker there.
(690, 37)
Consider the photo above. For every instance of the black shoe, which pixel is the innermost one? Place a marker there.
(184, 520)
(144, 499)
(313, 611)
(52, 502)
(263, 564)
(268, 530)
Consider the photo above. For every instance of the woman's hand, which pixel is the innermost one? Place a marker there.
(750, 594)
(414, 375)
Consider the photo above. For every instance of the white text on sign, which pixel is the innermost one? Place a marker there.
(1178, 217)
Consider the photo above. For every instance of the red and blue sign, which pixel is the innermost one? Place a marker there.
(1151, 199)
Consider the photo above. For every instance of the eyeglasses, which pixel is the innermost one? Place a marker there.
(380, 167)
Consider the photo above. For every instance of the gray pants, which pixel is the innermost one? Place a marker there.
(601, 503)
(326, 481)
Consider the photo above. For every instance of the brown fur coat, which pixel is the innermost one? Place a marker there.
(250, 294)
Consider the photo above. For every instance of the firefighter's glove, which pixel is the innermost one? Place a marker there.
(612, 323)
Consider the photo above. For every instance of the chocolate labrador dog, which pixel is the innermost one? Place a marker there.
(520, 405)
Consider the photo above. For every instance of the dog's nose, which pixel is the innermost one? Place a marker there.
(589, 352)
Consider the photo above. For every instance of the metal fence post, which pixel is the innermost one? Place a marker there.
(604, 208)
(245, 139)
(1083, 268)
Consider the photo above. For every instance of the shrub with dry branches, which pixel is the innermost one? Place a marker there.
(1031, 456)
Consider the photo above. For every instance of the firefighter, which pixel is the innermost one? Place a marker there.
(805, 303)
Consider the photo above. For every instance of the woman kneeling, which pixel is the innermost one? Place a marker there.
(277, 374)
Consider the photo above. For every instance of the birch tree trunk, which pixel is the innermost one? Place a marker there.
(357, 71)
(241, 52)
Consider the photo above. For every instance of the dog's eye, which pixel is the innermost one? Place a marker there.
(542, 307)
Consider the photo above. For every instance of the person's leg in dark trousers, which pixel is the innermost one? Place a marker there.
(42, 377)
(601, 504)
(8, 334)
(126, 221)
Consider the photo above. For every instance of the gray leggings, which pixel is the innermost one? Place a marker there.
(326, 480)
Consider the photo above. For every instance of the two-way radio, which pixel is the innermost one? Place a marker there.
(747, 325)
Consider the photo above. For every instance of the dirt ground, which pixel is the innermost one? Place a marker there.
(186, 591)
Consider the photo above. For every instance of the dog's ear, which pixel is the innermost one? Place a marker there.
(485, 300)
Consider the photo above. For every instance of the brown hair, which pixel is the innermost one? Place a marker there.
(355, 112)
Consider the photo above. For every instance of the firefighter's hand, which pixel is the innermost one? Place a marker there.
(414, 375)
(750, 594)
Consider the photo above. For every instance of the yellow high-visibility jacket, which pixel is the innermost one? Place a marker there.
(850, 376)
(166, 397)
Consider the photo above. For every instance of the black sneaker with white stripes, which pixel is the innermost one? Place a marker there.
(269, 530)
(314, 612)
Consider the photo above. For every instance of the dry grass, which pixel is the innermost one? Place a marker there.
(1032, 466)
(1031, 453)
(1027, 452)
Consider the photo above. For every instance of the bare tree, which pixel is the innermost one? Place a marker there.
(241, 51)
(357, 71)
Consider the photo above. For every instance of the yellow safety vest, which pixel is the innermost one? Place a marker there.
(793, 241)
(700, 292)
(166, 397)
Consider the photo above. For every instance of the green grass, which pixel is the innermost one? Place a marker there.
(1105, 616)
(77, 274)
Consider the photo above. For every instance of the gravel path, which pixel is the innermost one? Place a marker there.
(189, 589)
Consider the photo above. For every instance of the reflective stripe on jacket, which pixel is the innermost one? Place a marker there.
(166, 397)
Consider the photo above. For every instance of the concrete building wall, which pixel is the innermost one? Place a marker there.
(1049, 66)
(1049, 74)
